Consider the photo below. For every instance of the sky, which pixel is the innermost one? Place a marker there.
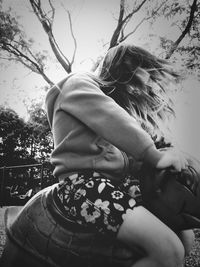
(93, 24)
(92, 21)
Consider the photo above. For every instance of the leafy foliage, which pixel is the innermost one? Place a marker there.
(186, 18)
(15, 46)
(11, 137)
(40, 139)
(24, 142)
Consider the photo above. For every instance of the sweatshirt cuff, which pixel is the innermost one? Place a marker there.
(152, 155)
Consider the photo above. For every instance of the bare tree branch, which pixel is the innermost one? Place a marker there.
(122, 21)
(135, 10)
(47, 26)
(72, 34)
(73, 37)
(8, 58)
(53, 12)
(26, 61)
(124, 37)
(193, 9)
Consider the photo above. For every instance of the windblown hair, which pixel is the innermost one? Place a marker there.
(140, 83)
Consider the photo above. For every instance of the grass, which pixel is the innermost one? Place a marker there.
(191, 261)
(2, 230)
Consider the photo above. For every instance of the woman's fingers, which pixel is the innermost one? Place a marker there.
(174, 159)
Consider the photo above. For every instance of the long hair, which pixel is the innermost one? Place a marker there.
(140, 83)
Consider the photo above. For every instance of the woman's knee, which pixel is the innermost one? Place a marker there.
(171, 254)
(175, 253)
(187, 238)
(143, 229)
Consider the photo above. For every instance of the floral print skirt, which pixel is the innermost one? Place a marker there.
(92, 200)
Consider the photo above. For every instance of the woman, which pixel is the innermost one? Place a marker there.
(103, 126)
(98, 127)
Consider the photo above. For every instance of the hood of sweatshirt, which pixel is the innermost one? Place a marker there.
(51, 97)
(50, 102)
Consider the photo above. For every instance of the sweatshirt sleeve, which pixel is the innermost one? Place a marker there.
(83, 99)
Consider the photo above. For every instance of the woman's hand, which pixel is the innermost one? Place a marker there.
(172, 158)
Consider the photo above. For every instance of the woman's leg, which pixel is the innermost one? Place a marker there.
(187, 238)
(161, 245)
(100, 205)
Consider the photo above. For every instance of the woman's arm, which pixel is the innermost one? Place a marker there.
(81, 97)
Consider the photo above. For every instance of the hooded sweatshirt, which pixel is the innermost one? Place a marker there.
(92, 132)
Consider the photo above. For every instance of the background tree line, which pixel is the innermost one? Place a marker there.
(25, 148)
(24, 142)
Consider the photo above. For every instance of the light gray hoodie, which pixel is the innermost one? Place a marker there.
(91, 131)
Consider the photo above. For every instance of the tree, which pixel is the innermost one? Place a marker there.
(169, 9)
(119, 34)
(188, 30)
(16, 47)
(14, 42)
(40, 137)
(24, 142)
(46, 19)
(186, 24)
(153, 10)
(12, 150)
